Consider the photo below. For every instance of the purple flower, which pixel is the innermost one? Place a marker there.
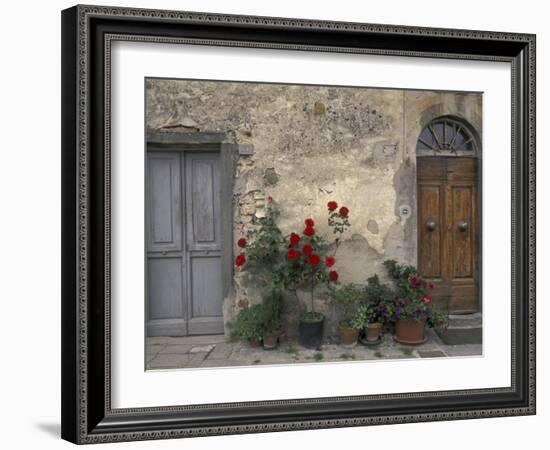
(398, 311)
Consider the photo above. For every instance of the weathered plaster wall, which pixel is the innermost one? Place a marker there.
(313, 144)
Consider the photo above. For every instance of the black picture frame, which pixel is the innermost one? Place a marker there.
(87, 416)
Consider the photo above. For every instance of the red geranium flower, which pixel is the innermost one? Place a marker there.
(307, 249)
(333, 276)
(332, 205)
(240, 260)
(241, 242)
(414, 280)
(427, 299)
(309, 231)
(329, 261)
(344, 211)
(294, 239)
(292, 254)
(313, 259)
(309, 223)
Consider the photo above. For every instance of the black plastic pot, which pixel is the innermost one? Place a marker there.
(311, 333)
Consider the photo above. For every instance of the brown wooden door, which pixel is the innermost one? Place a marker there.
(448, 230)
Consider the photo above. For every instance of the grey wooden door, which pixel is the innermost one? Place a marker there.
(184, 277)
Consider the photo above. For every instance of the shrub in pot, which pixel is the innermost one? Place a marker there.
(413, 306)
(249, 325)
(376, 310)
(262, 255)
(345, 299)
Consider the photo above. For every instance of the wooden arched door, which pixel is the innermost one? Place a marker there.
(448, 215)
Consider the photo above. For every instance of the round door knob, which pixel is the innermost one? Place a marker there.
(430, 225)
(462, 226)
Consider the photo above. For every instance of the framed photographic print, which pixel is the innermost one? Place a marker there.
(280, 224)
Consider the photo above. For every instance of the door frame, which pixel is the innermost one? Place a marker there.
(167, 141)
(478, 155)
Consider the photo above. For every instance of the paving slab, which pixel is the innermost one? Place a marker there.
(169, 361)
(431, 354)
(202, 349)
(221, 351)
(216, 351)
(176, 349)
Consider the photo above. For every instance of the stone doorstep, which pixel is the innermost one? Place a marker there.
(169, 361)
(187, 340)
(221, 351)
(465, 320)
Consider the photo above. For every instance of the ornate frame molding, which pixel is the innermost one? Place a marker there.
(87, 39)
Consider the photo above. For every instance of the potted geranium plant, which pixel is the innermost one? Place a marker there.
(309, 264)
(413, 305)
(376, 310)
(345, 299)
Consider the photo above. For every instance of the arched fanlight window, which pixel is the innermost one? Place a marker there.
(446, 136)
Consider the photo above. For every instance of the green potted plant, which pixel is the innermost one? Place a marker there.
(272, 300)
(262, 255)
(413, 305)
(249, 324)
(345, 298)
(376, 310)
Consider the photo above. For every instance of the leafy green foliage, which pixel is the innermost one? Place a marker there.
(318, 356)
(338, 222)
(273, 301)
(250, 323)
(378, 305)
(264, 251)
(345, 298)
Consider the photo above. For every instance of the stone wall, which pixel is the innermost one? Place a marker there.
(312, 144)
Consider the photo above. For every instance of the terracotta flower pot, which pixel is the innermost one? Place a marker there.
(410, 332)
(348, 336)
(270, 342)
(283, 337)
(373, 331)
(255, 342)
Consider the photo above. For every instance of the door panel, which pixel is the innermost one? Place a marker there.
(429, 245)
(203, 242)
(165, 282)
(164, 223)
(165, 286)
(205, 291)
(203, 201)
(448, 253)
(461, 233)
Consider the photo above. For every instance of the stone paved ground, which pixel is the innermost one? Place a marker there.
(215, 351)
